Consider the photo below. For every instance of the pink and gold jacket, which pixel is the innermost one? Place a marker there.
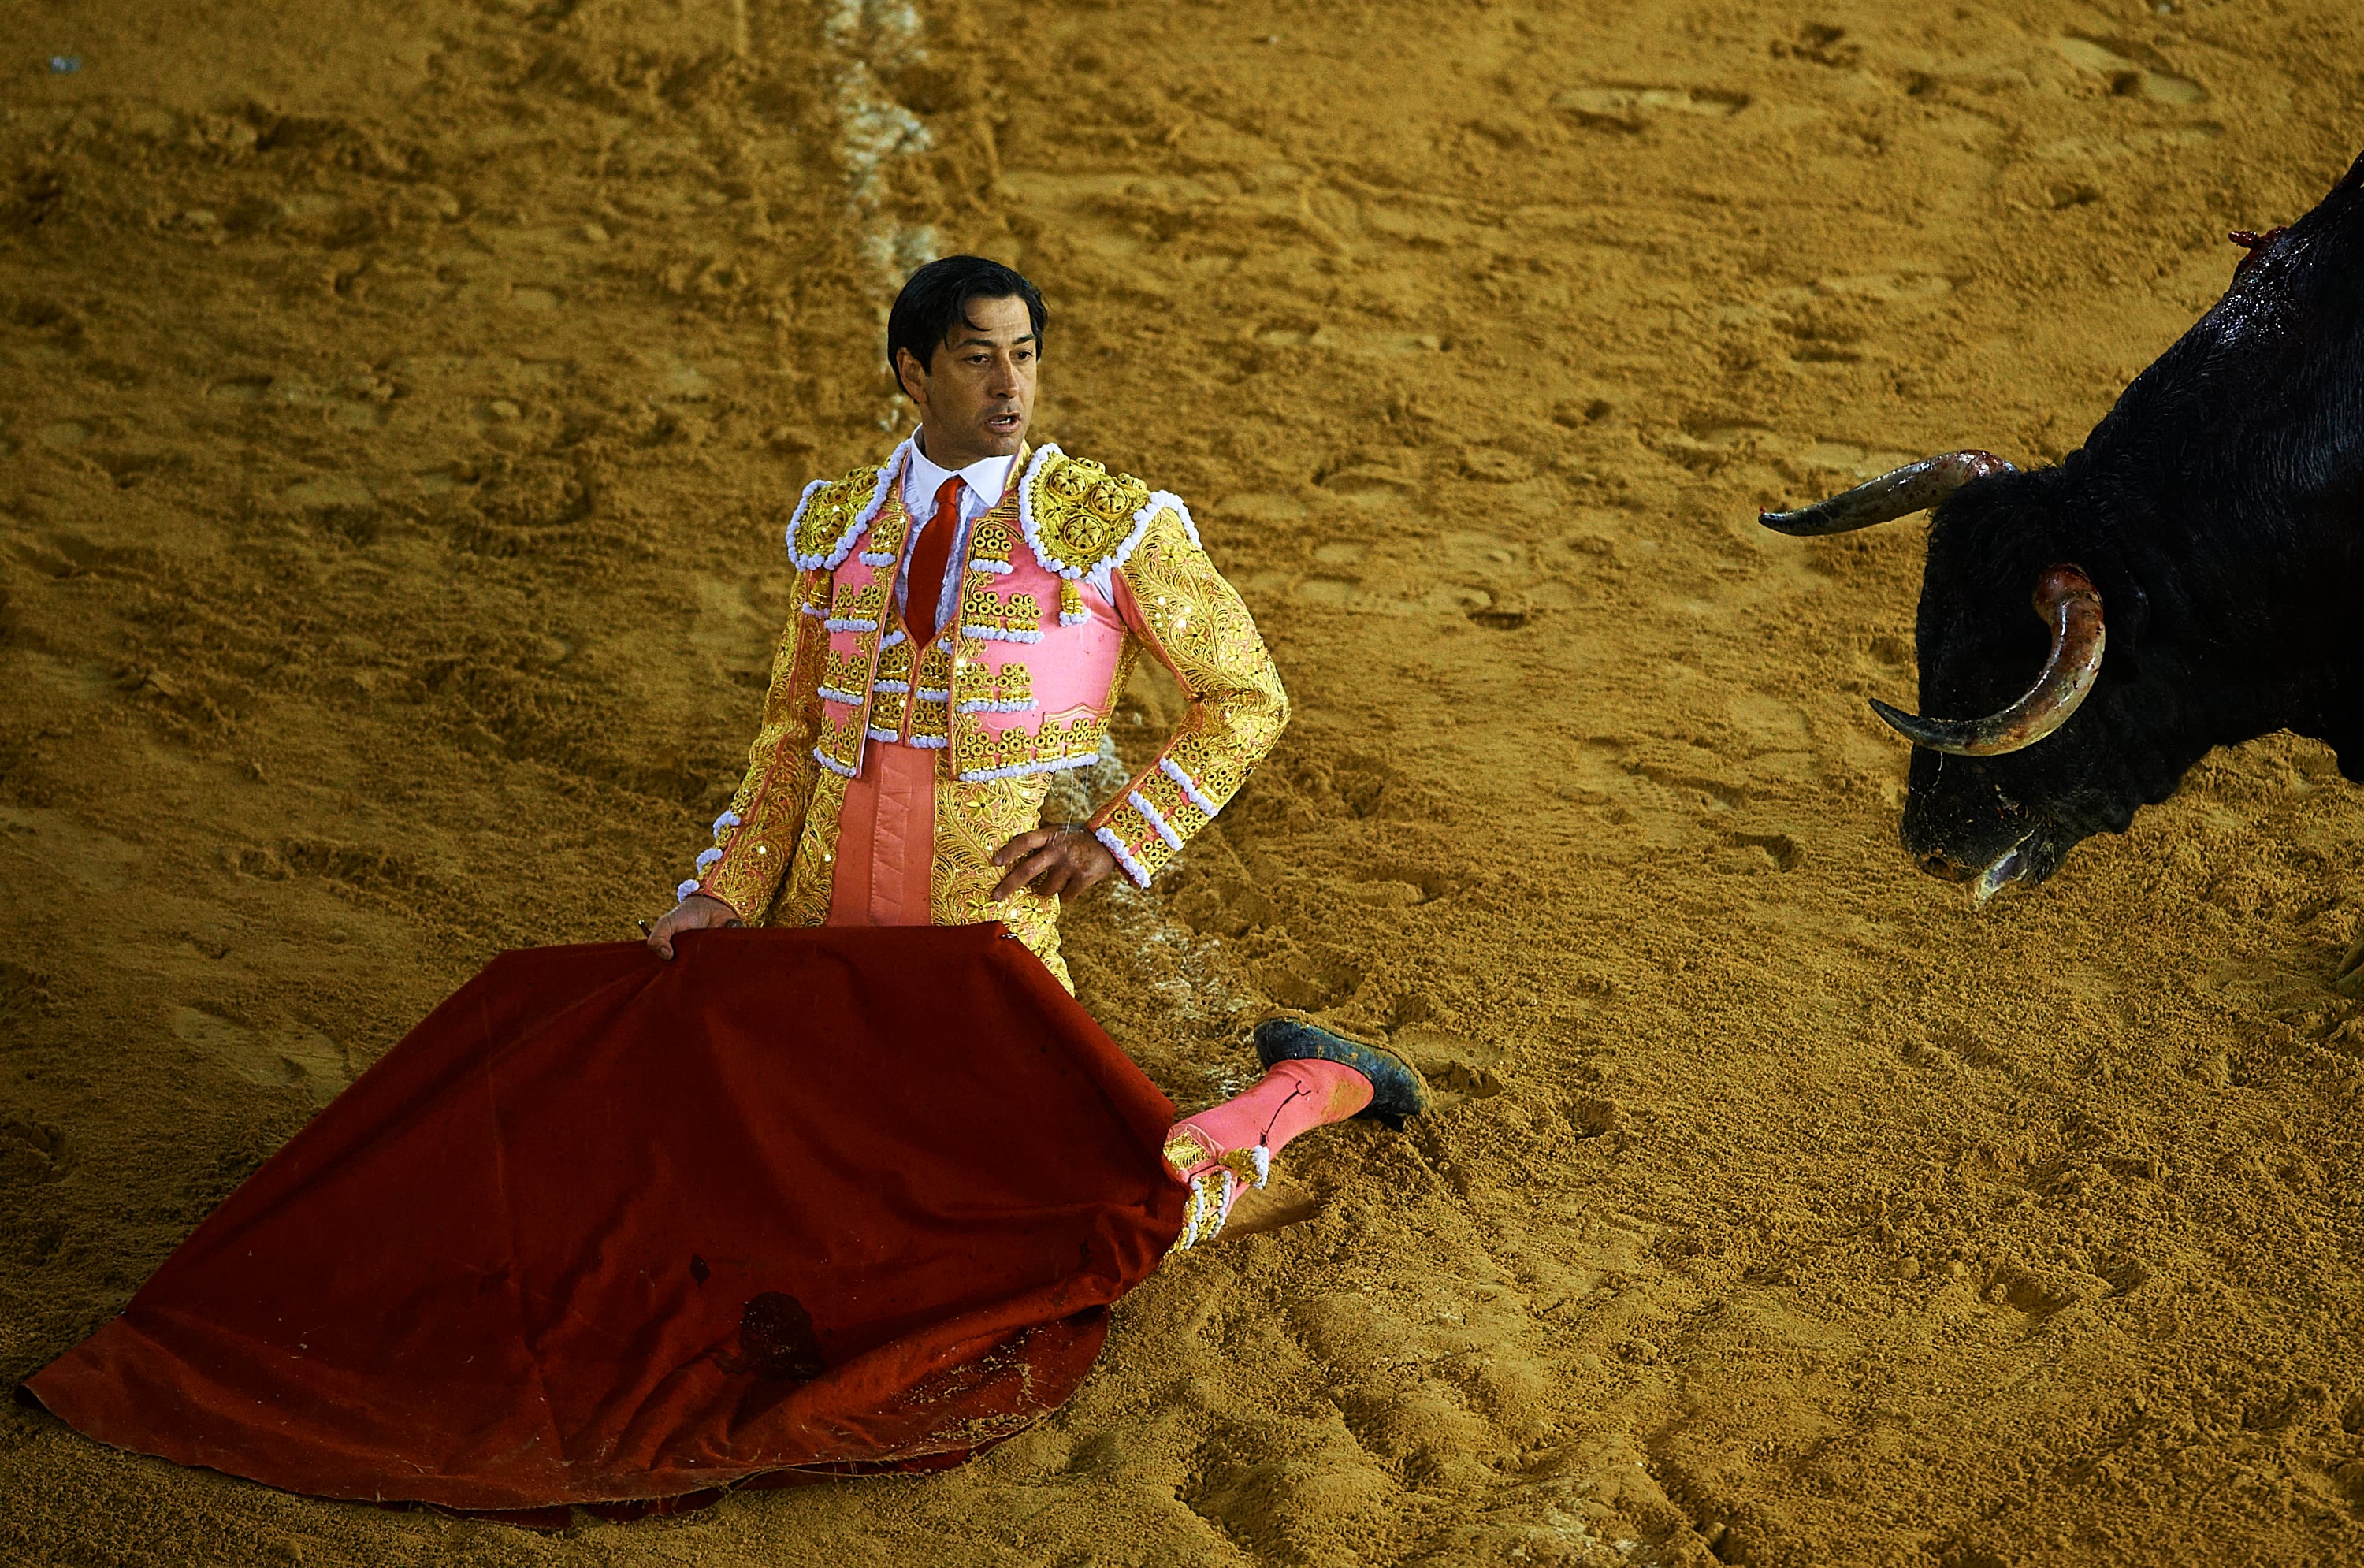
(1069, 577)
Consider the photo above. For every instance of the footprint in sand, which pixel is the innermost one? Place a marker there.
(32, 1152)
(1632, 108)
(2132, 70)
(1458, 1069)
(290, 1057)
(1365, 597)
(1310, 981)
(1227, 906)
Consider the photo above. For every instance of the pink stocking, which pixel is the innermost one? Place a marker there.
(1294, 1097)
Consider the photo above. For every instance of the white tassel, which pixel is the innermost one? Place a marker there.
(1199, 797)
(888, 474)
(1132, 868)
(726, 821)
(1155, 818)
(797, 517)
(1167, 498)
(705, 861)
(683, 890)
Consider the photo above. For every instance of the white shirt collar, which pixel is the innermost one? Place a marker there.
(988, 476)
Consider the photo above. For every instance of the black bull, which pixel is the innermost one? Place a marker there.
(2208, 531)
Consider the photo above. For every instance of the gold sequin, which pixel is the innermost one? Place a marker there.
(989, 541)
(864, 604)
(983, 612)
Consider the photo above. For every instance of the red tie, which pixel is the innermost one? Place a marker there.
(933, 554)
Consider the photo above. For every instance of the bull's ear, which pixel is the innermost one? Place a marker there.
(2127, 608)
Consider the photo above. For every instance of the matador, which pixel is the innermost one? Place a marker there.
(966, 614)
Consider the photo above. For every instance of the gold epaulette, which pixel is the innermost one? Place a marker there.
(1083, 521)
(832, 513)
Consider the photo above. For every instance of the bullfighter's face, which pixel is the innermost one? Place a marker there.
(976, 395)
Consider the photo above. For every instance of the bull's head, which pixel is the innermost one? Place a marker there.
(2218, 510)
(1997, 795)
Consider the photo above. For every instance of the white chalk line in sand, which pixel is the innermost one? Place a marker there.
(874, 130)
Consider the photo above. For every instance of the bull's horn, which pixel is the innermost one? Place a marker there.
(2065, 597)
(1891, 495)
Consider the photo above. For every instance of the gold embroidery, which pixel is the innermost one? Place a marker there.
(931, 722)
(825, 522)
(936, 670)
(812, 877)
(989, 541)
(1012, 617)
(976, 755)
(848, 672)
(771, 800)
(1072, 738)
(1174, 808)
(972, 682)
(1187, 615)
(1145, 850)
(973, 821)
(1216, 769)
(1081, 513)
(859, 608)
(888, 530)
(1070, 735)
(1198, 626)
(979, 687)
(840, 740)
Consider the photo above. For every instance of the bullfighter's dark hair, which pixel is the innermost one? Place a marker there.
(936, 298)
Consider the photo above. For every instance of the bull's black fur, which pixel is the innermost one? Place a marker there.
(2219, 508)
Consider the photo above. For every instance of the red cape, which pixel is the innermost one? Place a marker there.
(606, 1229)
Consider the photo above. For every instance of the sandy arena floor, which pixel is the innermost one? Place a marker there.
(399, 403)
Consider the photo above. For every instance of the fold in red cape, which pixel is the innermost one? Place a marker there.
(608, 1230)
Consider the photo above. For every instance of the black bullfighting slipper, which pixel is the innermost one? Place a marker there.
(1397, 1089)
